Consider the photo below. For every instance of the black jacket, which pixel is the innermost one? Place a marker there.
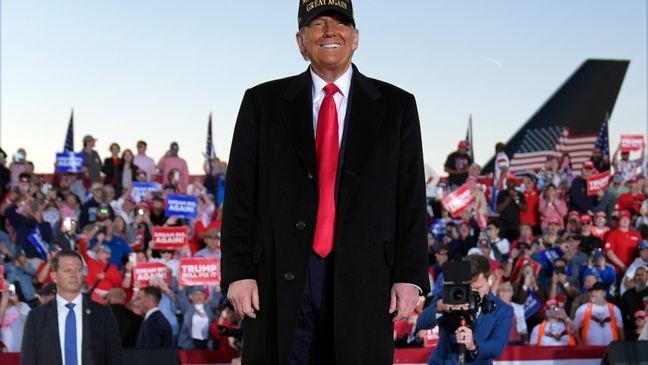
(100, 344)
(270, 209)
(155, 332)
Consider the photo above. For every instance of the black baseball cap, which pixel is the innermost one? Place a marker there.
(311, 9)
(597, 286)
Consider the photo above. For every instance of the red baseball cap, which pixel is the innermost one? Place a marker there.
(600, 214)
(585, 218)
(640, 314)
(573, 214)
(625, 214)
(553, 220)
(463, 144)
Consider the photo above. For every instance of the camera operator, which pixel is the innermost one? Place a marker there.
(490, 331)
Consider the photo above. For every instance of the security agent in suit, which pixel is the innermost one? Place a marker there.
(304, 305)
(71, 329)
(489, 335)
(155, 332)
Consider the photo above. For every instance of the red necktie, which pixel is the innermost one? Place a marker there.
(327, 147)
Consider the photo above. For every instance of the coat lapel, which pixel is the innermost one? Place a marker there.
(362, 134)
(86, 353)
(298, 118)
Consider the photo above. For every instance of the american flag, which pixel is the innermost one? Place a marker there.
(69, 136)
(602, 142)
(210, 153)
(540, 143)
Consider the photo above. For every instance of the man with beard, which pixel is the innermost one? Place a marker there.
(633, 300)
(641, 261)
(600, 162)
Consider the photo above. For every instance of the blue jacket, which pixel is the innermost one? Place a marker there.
(490, 332)
(24, 227)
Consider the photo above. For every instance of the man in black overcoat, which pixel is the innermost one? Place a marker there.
(324, 222)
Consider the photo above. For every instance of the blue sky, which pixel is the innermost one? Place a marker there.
(154, 70)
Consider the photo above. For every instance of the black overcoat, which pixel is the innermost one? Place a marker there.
(271, 208)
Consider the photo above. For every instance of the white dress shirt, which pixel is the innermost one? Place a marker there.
(150, 311)
(62, 313)
(341, 98)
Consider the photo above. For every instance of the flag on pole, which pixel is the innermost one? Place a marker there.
(69, 137)
(603, 141)
(210, 145)
(540, 143)
(469, 139)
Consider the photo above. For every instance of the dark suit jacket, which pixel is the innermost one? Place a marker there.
(100, 343)
(155, 333)
(270, 212)
(128, 323)
(490, 332)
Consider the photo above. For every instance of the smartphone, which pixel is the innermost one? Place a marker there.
(139, 211)
(132, 258)
(67, 224)
(12, 289)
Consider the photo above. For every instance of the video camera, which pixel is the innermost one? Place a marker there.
(456, 291)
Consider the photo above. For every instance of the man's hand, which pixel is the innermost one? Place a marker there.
(404, 298)
(465, 336)
(244, 296)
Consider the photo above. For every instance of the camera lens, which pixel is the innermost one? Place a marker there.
(458, 294)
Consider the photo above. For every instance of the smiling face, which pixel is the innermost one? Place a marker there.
(328, 42)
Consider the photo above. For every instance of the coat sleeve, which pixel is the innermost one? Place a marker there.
(498, 338)
(114, 352)
(28, 347)
(239, 205)
(410, 261)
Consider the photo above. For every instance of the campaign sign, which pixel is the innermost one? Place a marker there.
(183, 206)
(598, 182)
(199, 271)
(632, 142)
(143, 271)
(458, 200)
(140, 189)
(69, 161)
(520, 263)
(170, 238)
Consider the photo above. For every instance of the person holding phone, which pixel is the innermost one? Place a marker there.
(13, 314)
(171, 161)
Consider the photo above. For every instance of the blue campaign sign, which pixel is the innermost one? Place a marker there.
(140, 189)
(183, 206)
(69, 161)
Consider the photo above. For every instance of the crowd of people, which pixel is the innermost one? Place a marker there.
(574, 267)
(95, 213)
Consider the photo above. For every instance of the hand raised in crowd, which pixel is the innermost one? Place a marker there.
(173, 220)
(244, 296)
(404, 298)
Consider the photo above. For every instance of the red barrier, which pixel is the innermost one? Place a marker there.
(411, 356)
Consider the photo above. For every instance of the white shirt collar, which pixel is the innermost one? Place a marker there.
(61, 302)
(151, 311)
(343, 83)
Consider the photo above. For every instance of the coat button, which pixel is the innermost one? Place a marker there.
(310, 176)
(289, 276)
(300, 225)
